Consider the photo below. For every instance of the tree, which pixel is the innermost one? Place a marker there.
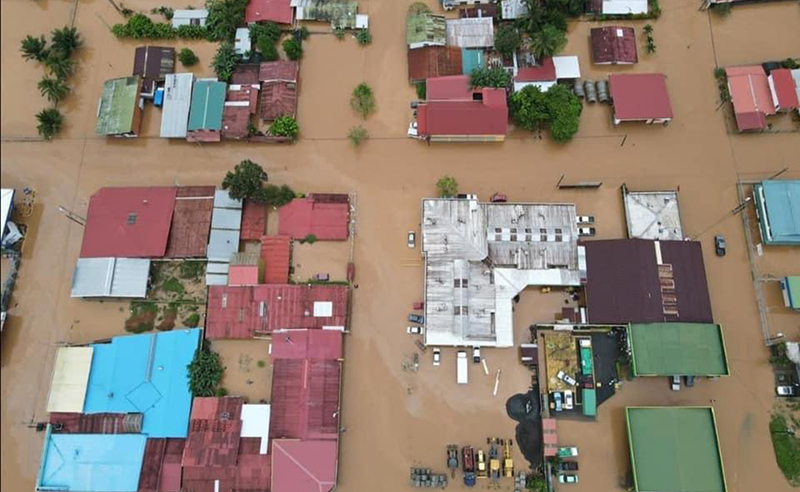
(569, 8)
(266, 46)
(364, 37)
(284, 126)
(547, 42)
(187, 57)
(293, 48)
(224, 16)
(53, 89)
(357, 134)
(275, 196)
(205, 372)
(224, 61)
(66, 40)
(50, 121)
(245, 181)
(422, 89)
(266, 30)
(34, 48)
(339, 33)
(418, 8)
(59, 65)
(363, 100)
(447, 186)
(529, 108)
(564, 110)
(507, 40)
(497, 77)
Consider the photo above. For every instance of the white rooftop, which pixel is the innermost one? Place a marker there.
(6, 199)
(255, 423)
(653, 215)
(475, 32)
(567, 67)
(624, 7)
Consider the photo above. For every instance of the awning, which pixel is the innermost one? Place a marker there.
(70, 379)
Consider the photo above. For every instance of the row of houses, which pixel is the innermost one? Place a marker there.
(340, 14)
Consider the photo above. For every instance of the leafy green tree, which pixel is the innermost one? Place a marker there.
(284, 126)
(507, 39)
(268, 30)
(275, 196)
(245, 181)
(447, 186)
(60, 66)
(205, 372)
(266, 46)
(66, 40)
(497, 77)
(303, 33)
(187, 57)
(364, 37)
(293, 48)
(564, 110)
(53, 89)
(547, 42)
(224, 61)
(569, 8)
(50, 121)
(362, 100)
(422, 89)
(224, 16)
(357, 134)
(34, 48)
(529, 108)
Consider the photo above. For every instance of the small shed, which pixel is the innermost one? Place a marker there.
(194, 17)
(613, 45)
(205, 115)
(791, 292)
(152, 64)
(470, 33)
(111, 277)
(119, 110)
(177, 103)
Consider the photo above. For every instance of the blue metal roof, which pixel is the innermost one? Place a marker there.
(782, 203)
(145, 374)
(91, 462)
(470, 60)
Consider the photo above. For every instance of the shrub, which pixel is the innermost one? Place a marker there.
(362, 100)
(53, 89)
(220, 392)
(422, 90)
(357, 134)
(275, 196)
(205, 372)
(719, 73)
(266, 30)
(34, 48)
(50, 121)
(418, 8)
(173, 285)
(187, 57)
(266, 46)
(507, 39)
(293, 48)
(284, 126)
(447, 186)
(66, 40)
(191, 32)
(261, 363)
(547, 42)
(224, 16)
(167, 12)
(224, 61)
(790, 63)
(364, 37)
(648, 29)
(339, 33)
(245, 181)
(490, 77)
(650, 46)
(310, 239)
(304, 34)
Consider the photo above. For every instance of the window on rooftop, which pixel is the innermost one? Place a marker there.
(131, 219)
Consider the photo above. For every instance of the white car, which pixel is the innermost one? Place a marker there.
(415, 330)
(412, 130)
(586, 231)
(437, 356)
(585, 219)
(476, 355)
(412, 239)
(566, 378)
(568, 400)
(568, 478)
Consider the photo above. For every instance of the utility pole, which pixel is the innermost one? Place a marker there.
(72, 215)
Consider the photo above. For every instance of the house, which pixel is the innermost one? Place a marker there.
(193, 17)
(646, 281)
(613, 45)
(677, 349)
(640, 97)
(424, 29)
(205, 115)
(241, 42)
(161, 467)
(513, 9)
(275, 254)
(480, 256)
(152, 64)
(240, 106)
(278, 89)
(652, 214)
(254, 220)
(244, 269)
(177, 102)
(111, 277)
(223, 241)
(279, 11)
(778, 211)
(470, 33)
(454, 112)
(119, 110)
(341, 14)
(623, 7)
(547, 73)
(191, 222)
(434, 61)
(751, 96)
(324, 216)
(783, 89)
(790, 286)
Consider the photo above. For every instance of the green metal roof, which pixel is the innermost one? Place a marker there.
(208, 101)
(117, 105)
(778, 204)
(587, 365)
(792, 286)
(675, 449)
(425, 28)
(470, 60)
(679, 349)
(589, 402)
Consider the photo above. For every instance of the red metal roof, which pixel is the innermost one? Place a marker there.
(242, 312)
(214, 431)
(191, 222)
(451, 88)
(304, 216)
(243, 275)
(785, 91)
(751, 97)
(240, 104)
(544, 72)
(275, 251)
(161, 467)
(304, 466)
(434, 61)
(305, 399)
(640, 96)
(269, 10)
(128, 222)
(487, 117)
(614, 44)
(254, 221)
(307, 344)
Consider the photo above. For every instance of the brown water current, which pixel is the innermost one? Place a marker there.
(396, 419)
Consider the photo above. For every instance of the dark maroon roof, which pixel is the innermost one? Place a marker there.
(613, 44)
(305, 399)
(235, 117)
(254, 221)
(191, 222)
(161, 466)
(624, 285)
(96, 423)
(214, 432)
(434, 61)
(153, 63)
(640, 96)
(544, 72)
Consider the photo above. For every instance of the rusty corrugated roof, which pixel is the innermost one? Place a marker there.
(305, 399)
(191, 222)
(275, 251)
(254, 221)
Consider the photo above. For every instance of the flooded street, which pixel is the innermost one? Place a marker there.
(394, 418)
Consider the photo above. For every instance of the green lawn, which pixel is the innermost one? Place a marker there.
(787, 448)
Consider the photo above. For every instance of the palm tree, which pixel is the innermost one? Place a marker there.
(60, 65)
(50, 121)
(53, 89)
(66, 40)
(547, 42)
(34, 48)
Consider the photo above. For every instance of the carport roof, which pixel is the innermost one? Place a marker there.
(681, 349)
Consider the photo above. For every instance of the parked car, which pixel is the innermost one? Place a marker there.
(415, 330)
(719, 245)
(557, 400)
(416, 318)
(412, 239)
(499, 198)
(586, 231)
(476, 355)
(322, 277)
(675, 383)
(437, 356)
(419, 306)
(568, 400)
(467, 196)
(688, 381)
(568, 478)
(585, 219)
(568, 466)
(567, 452)
(786, 390)
(566, 378)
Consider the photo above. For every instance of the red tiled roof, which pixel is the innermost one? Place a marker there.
(214, 431)
(109, 231)
(784, 91)
(544, 72)
(278, 88)
(307, 344)
(254, 221)
(304, 216)
(640, 96)
(191, 222)
(614, 44)
(751, 97)
(243, 275)
(434, 61)
(240, 105)
(283, 307)
(269, 10)
(451, 88)
(303, 466)
(161, 466)
(279, 70)
(487, 117)
(275, 252)
(305, 399)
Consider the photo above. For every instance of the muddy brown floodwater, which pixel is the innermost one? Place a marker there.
(396, 419)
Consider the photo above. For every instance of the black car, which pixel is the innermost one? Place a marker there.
(719, 245)
(568, 466)
(688, 381)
